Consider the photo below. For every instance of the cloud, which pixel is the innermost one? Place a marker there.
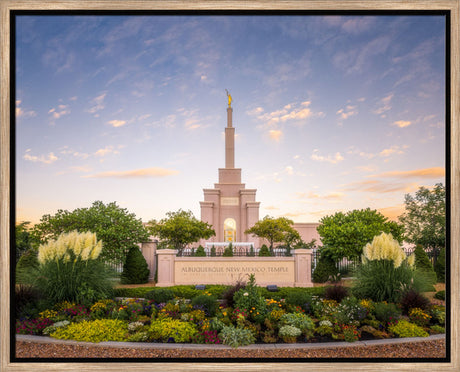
(106, 151)
(393, 150)
(347, 112)
(61, 110)
(334, 159)
(50, 158)
(392, 213)
(97, 104)
(402, 123)
(23, 113)
(116, 123)
(289, 170)
(384, 105)
(138, 173)
(381, 187)
(435, 172)
(271, 208)
(330, 196)
(275, 134)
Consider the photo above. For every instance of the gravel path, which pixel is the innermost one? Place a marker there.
(433, 348)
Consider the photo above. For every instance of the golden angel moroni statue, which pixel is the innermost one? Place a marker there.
(229, 98)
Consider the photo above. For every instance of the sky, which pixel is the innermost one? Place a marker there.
(331, 113)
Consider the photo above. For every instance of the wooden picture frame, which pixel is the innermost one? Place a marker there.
(7, 109)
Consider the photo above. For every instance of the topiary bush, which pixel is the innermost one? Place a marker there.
(302, 299)
(200, 252)
(422, 262)
(440, 295)
(228, 252)
(135, 269)
(325, 268)
(440, 266)
(424, 271)
(264, 251)
(27, 262)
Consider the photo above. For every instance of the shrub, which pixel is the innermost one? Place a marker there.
(200, 252)
(33, 326)
(350, 310)
(264, 251)
(438, 314)
(93, 331)
(28, 301)
(160, 295)
(385, 269)
(411, 298)
(289, 333)
(300, 321)
(135, 269)
(440, 295)
(213, 251)
(419, 317)
(172, 330)
(236, 337)
(422, 262)
(207, 303)
(440, 265)
(380, 280)
(52, 328)
(325, 267)
(405, 329)
(27, 262)
(250, 300)
(336, 292)
(302, 299)
(436, 329)
(351, 333)
(228, 252)
(386, 312)
(70, 269)
(227, 296)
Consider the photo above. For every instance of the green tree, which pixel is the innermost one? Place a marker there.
(135, 269)
(179, 229)
(118, 229)
(346, 234)
(275, 230)
(424, 218)
(24, 239)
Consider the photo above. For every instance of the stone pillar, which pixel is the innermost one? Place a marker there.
(302, 265)
(148, 250)
(166, 258)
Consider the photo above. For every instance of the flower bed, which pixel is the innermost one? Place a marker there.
(251, 318)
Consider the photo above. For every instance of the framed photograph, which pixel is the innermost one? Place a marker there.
(332, 123)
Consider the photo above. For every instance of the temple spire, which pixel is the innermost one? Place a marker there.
(229, 137)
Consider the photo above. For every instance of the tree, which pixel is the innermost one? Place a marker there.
(118, 229)
(179, 229)
(275, 230)
(24, 239)
(346, 234)
(135, 269)
(424, 218)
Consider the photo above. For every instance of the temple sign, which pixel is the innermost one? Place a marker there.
(229, 98)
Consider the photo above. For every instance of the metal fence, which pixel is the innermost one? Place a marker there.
(237, 252)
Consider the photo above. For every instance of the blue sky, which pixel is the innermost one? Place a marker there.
(332, 113)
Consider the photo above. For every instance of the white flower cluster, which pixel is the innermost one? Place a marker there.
(74, 244)
(385, 247)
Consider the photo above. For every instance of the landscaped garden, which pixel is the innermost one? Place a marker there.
(73, 298)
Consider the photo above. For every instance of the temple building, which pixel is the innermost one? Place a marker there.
(230, 208)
